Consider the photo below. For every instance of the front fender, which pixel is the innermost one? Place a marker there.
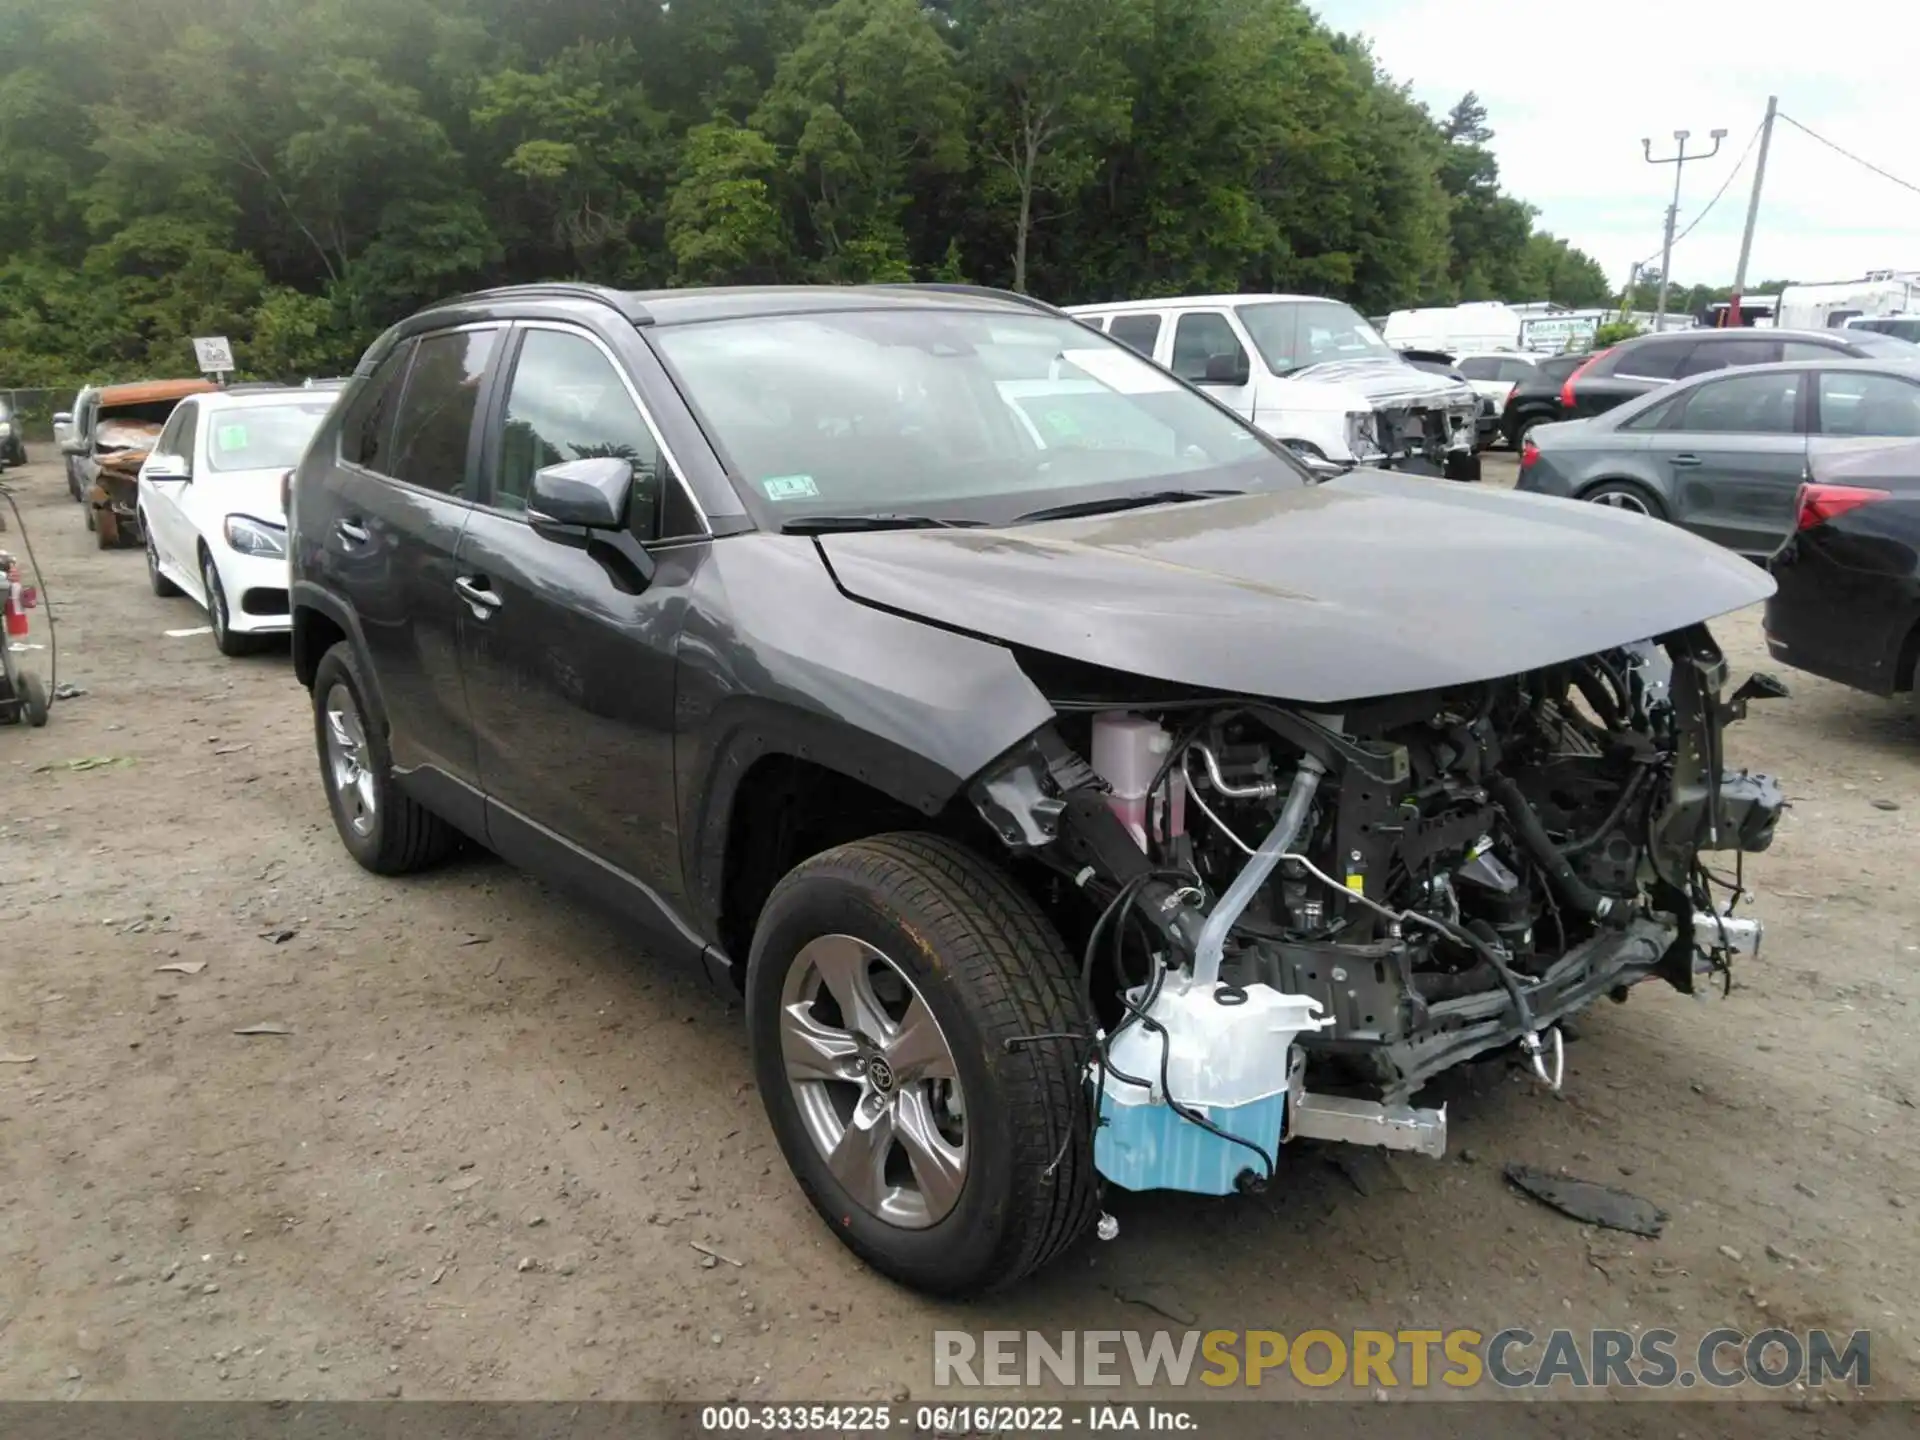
(774, 660)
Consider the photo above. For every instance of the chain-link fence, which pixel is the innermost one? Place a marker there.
(33, 411)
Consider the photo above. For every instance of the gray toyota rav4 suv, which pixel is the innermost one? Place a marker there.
(1077, 793)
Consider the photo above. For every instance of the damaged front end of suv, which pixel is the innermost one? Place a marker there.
(1306, 914)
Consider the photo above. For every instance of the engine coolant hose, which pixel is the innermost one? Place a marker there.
(1213, 934)
(1540, 848)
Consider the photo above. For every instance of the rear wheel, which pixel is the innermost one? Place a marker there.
(890, 984)
(383, 828)
(1626, 495)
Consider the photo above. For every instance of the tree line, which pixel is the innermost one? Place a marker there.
(297, 174)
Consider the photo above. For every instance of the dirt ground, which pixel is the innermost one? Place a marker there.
(477, 1162)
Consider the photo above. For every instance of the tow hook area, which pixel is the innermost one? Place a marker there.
(1729, 933)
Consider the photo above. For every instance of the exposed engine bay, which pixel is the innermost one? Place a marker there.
(1293, 919)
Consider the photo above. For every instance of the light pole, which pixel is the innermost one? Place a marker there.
(1679, 161)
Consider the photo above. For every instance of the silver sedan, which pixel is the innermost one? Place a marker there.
(1724, 454)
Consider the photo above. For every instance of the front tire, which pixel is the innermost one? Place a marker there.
(1628, 496)
(386, 830)
(162, 586)
(33, 701)
(231, 643)
(887, 982)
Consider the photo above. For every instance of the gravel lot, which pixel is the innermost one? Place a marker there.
(477, 1162)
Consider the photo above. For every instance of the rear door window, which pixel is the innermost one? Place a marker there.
(433, 433)
(1517, 372)
(1141, 332)
(1647, 362)
(1855, 404)
(1766, 404)
(1801, 351)
(1711, 355)
(1481, 367)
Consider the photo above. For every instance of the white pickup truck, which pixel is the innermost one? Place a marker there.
(1310, 372)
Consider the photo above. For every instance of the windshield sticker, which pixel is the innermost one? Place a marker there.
(790, 487)
(231, 437)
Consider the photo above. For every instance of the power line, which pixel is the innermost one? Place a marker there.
(1883, 174)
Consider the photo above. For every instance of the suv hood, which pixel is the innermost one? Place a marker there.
(1371, 584)
(1386, 381)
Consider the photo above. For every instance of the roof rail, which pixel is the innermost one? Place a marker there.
(560, 290)
(951, 287)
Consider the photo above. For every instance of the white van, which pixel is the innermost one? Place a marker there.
(1310, 372)
(1476, 326)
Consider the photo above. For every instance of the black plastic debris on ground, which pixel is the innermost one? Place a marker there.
(1588, 1201)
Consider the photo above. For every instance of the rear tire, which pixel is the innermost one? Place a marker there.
(1626, 495)
(386, 830)
(932, 925)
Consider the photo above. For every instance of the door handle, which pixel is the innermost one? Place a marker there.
(482, 601)
(352, 532)
(1685, 462)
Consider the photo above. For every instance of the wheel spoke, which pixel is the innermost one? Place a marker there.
(917, 1050)
(813, 1050)
(939, 1166)
(859, 1161)
(845, 969)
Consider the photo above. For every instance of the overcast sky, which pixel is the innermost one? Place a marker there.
(1571, 89)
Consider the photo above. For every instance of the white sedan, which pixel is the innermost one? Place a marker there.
(211, 506)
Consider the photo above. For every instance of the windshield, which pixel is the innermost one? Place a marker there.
(951, 415)
(261, 437)
(1293, 334)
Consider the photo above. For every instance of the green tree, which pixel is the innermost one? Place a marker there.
(723, 222)
(869, 102)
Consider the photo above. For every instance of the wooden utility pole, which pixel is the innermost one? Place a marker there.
(1753, 213)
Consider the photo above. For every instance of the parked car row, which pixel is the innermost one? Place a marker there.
(193, 473)
(1795, 449)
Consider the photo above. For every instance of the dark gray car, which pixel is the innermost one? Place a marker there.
(1724, 454)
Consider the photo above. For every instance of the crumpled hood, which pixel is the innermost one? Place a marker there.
(1384, 381)
(1371, 584)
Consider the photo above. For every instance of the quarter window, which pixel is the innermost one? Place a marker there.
(432, 435)
(366, 429)
(569, 402)
(1880, 405)
(1648, 362)
(1141, 332)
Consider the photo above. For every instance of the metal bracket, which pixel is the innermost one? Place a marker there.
(1736, 935)
(1365, 1122)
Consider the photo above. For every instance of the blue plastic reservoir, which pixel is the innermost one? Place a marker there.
(1148, 1147)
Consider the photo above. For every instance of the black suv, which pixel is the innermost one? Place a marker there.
(866, 647)
(1633, 367)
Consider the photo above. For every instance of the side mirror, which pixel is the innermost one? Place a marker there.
(591, 494)
(167, 467)
(62, 417)
(1228, 370)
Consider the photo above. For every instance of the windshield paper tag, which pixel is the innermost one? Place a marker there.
(790, 487)
(232, 437)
